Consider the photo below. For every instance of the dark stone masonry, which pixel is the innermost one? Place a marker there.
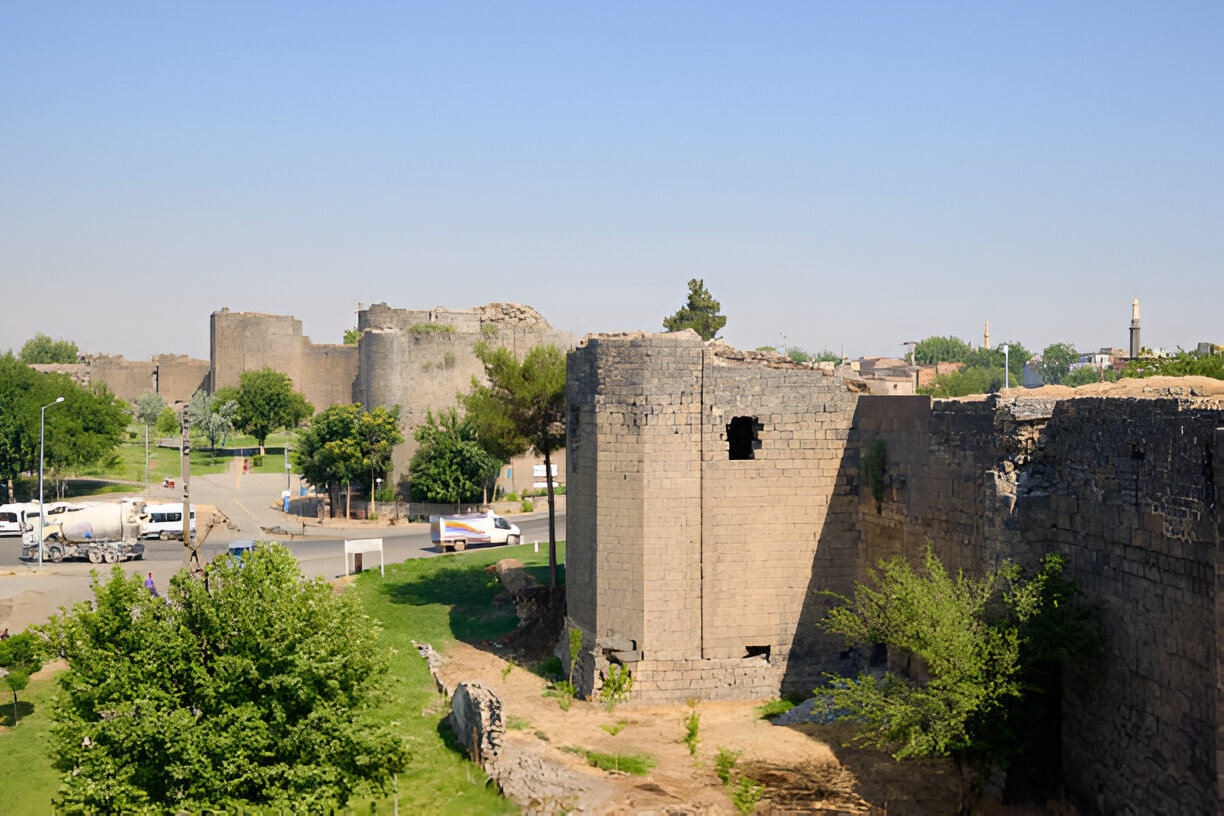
(712, 493)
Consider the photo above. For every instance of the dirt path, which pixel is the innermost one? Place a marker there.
(680, 782)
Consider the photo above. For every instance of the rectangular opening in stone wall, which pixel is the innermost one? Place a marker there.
(756, 651)
(742, 437)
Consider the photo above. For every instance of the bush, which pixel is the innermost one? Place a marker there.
(527, 506)
(636, 764)
(617, 686)
(724, 763)
(431, 328)
(257, 460)
(512, 497)
(691, 724)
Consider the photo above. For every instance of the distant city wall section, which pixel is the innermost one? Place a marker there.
(175, 376)
(422, 360)
(249, 341)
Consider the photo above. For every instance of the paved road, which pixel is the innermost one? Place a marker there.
(29, 595)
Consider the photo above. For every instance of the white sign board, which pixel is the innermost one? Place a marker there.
(363, 545)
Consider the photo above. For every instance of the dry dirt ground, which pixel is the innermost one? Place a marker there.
(805, 768)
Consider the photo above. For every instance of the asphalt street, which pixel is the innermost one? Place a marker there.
(250, 502)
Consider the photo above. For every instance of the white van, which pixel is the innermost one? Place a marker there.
(13, 517)
(166, 521)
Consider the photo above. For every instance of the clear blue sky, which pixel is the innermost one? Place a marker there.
(853, 175)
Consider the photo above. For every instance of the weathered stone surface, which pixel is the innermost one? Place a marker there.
(476, 719)
(702, 557)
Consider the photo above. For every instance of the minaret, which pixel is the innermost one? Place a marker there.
(986, 344)
(1134, 330)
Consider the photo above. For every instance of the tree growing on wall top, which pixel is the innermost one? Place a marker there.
(522, 408)
(42, 349)
(267, 402)
(699, 313)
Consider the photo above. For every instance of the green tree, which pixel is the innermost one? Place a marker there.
(343, 443)
(450, 466)
(966, 381)
(148, 408)
(212, 416)
(975, 639)
(251, 688)
(699, 313)
(1182, 364)
(1088, 374)
(267, 403)
(941, 350)
(81, 431)
(42, 349)
(351, 336)
(168, 422)
(1056, 362)
(522, 408)
(20, 393)
(20, 656)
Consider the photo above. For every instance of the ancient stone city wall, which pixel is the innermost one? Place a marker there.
(696, 483)
(699, 571)
(422, 359)
(1126, 489)
(175, 376)
(247, 341)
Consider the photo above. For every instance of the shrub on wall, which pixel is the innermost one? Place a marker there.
(873, 464)
(431, 328)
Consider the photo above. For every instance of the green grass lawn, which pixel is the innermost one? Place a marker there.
(438, 601)
(29, 780)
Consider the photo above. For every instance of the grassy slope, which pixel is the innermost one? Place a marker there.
(29, 781)
(432, 600)
(439, 601)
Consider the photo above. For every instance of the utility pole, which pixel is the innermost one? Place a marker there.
(191, 551)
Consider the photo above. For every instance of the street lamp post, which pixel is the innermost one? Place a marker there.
(1006, 367)
(286, 465)
(42, 448)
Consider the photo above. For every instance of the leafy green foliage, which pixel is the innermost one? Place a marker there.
(149, 407)
(617, 686)
(575, 647)
(450, 465)
(875, 460)
(1056, 362)
(212, 415)
(344, 442)
(352, 336)
(267, 402)
(42, 349)
(745, 794)
(724, 762)
(614, 728)
(431, 328)
(522, 407)
(774, 708)
(1089, 374)
(941, 350)
(699, 313)
(966, 381)
(636, 764)
(253, 688)
(974, 638)
(82, 430)
(167, 422)
(1182, 364)
(20, 655)
(691, 725)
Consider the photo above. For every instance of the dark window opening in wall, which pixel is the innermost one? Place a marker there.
(756, 651)
(742, 438)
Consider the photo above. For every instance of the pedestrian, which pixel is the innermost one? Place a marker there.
(149, 584)
(4, 635)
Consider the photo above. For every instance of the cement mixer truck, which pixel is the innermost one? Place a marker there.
(100, 531)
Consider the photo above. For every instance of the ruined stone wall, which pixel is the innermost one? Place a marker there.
(1126, 489)
(402, 362)
(246, 341)
(175, 376)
